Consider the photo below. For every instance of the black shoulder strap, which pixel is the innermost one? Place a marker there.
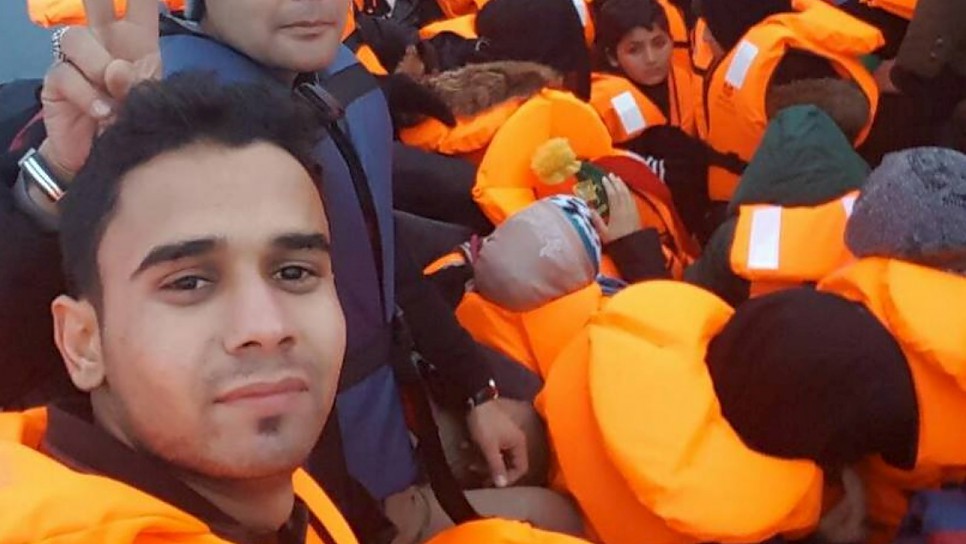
(419, 416)
(350, 83)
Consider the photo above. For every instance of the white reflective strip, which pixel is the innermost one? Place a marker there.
(848, 203)
(629, 113)
(741, 63)
(581, 8)
(764, 244)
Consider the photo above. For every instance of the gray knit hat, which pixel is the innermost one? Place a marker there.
(913, 208)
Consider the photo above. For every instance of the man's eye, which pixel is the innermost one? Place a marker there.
(294, 273)
(187, 283)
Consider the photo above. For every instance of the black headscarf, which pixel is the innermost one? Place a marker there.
(729, 20)
(548, 32)
(803, 374)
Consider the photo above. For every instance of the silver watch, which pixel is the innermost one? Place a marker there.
(35, 170)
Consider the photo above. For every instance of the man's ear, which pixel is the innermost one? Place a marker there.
(77, 335)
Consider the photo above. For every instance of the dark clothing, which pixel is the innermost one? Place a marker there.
(428, 239)
(683, 160)
(74, 439)
(659, 95)
(439, 338)
(893, 27)
(729, 20)
(803, 160)
(931, 66)
(639, 256)
(804, 374)
(797, 65)
(437, 187)
(450, 51)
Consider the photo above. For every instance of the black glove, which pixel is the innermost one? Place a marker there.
(409, 102)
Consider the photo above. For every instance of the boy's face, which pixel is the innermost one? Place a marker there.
(219, 338)
(288, 35)
(645, 55)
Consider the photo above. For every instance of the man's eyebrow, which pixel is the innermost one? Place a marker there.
(297, 241)
(176, 251)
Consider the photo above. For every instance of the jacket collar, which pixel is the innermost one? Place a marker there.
(74, 439)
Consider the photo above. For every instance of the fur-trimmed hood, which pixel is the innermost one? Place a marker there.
(476, 88)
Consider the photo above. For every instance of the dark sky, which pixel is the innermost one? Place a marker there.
(24, 48)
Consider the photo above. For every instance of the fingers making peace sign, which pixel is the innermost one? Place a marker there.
(96, 67)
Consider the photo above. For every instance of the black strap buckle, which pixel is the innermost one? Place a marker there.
(322, 100)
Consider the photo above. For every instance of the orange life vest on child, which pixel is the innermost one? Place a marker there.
(640, 439)
(45, 500)
(922, 308)
(48, 13)
(734, 117)
(777, 247)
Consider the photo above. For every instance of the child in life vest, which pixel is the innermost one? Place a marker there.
(642, 71)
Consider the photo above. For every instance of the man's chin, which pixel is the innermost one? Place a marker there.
(312, 58)
(263, 464)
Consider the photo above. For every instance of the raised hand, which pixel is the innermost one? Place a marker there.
(97, 67)
(624, 217)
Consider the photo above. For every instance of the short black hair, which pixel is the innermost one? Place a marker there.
(615, 18)
(162, 116)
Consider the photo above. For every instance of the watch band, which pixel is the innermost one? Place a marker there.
(488, 393)
(35, 169)
(47, 221)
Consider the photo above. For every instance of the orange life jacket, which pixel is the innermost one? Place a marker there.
(48, 13)
(457, 8)
(922, 308)
(463, 26)
(470, 137)
(734, 94)
(640, 439)
(505, 182)
(45, 500)
(899, 8)
(702, 57)
(501, 531)
(777, 247)
(532, 338)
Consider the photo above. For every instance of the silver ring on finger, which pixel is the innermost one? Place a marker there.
(56, 42)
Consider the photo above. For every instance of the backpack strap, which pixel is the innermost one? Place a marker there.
(331, 98)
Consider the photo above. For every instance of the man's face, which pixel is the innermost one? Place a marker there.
(288, 35)
(220, 330)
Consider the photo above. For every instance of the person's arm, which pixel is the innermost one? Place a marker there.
(639, 256)
(712, 270)
(636, 251)
(437, 335)
(444, 343)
